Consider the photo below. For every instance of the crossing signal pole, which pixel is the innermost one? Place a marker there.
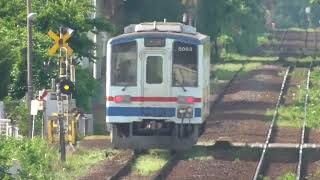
(65, 86)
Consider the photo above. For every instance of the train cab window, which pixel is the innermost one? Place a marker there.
(185, 65)
(154, 73)
(124, 64)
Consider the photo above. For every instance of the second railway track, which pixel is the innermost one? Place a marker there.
(292, 154)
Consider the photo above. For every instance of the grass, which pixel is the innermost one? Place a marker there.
(306, 59)
(303, 29)
(78, 163)
(226, 71)
(293, 115)
(152, 162)
(287, 176)
(39, 160)
(197, 153)
(239, 57)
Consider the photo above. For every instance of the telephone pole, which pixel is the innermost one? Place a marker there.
(29, 63)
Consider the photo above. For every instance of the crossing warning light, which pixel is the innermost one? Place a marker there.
(67, 87)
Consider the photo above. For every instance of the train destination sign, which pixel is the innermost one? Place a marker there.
(154, 42)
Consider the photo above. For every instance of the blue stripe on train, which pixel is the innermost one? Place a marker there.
(146, 111)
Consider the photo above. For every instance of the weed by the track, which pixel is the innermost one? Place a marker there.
(41, 161)
(298, 74)
(287, 176)
(77, 164)
(151, 162)
(293, 115)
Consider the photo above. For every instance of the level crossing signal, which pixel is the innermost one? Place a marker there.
(60, 43)
(67, 87)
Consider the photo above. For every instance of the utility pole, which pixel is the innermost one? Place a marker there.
(62, 75)
(29, 63)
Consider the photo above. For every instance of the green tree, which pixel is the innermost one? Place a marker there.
(290, 13)
(242, 20)
(51, 14)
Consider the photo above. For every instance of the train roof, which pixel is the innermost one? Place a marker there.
(177, 31)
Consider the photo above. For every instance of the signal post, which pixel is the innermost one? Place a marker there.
(65, 85)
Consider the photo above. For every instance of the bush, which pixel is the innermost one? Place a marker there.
(18, 112)
(40, 161)
(35, 156)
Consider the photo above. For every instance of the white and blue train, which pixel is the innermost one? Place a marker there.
(158, 86)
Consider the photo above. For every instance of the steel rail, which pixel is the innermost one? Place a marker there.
(302, 142)
(167, 168)
(124, 169)
(275, 114)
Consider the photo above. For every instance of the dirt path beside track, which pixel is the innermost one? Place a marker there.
(240, 117)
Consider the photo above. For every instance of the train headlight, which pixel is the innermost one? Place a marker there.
(185, 112)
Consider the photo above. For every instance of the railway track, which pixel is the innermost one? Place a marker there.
(271, 128)
(126, 168)
(299, 170)
(293, 152)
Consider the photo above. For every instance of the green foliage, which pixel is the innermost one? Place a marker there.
(263, 40)
(292, 116)
(40, 161)
(18, 112)
(287, 176)
(34, 155)
(152, 162)
(51, 14)
(77, 164)
(239, 19)
(86, 86)
(291, 13)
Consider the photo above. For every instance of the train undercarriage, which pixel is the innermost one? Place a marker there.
(154, 134)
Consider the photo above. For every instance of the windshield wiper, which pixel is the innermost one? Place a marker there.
(183, 88)
(124, 88)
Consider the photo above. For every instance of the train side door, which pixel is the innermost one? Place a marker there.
(155, 74)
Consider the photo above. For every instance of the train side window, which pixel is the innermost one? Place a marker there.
(185, 65)
(154, 74)
(124, 64)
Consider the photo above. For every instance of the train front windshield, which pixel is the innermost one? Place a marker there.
(124, 64)
(185, 65)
